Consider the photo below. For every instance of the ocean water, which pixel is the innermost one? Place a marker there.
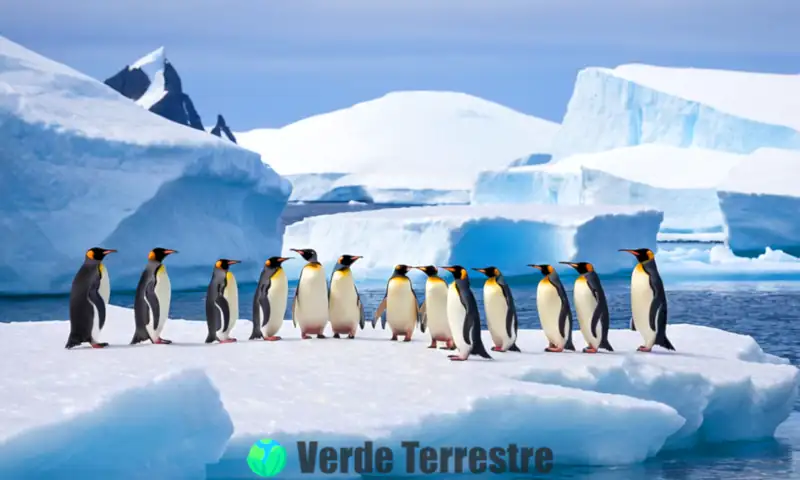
(768, 311)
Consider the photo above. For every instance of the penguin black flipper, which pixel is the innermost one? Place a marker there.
(600, 311)
(97, 300)
(423, 317)
(225, 310)
(472, 324)
(152, 302)
(565, 316)
(512, 322)
(658, 307)
(362, 319)
(81, 313)
(417, 313)
(380, 312)
(141, 313)
(261, 304)
(256, 316)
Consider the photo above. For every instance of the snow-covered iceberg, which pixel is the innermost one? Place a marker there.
(506, 236)
(405, 147)
(607, 409)
(716, 109)
(681, 182)
(82, 166)
(760, 200)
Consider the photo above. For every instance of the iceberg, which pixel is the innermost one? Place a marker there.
(508, 237)
(418, 147)
(83, 166)
(717, 387)
(681, 182)
(683, 262)
(760, 199)
(731, 111)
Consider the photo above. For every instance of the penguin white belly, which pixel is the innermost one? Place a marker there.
(641, 300)
(496, 308)
(164, 295)
(343, 311)
(436, 310)
(312, 304)
(401, 307)
(105, 293)
(456, 316)
(548, 303)
(277, 295)
(231, 294)
(585, 305)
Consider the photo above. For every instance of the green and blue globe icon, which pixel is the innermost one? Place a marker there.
(267, 458)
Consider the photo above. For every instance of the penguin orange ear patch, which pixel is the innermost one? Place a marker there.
(268, 263)
(90, 254)
(151, 255)
(219, 264)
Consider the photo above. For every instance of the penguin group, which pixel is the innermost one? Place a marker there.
(449, 313)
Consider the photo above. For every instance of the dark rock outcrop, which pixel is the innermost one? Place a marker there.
(222, 128)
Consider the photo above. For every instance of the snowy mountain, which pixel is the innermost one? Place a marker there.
(153, 83)
(81, 167)
(221, 128)
(731, 111)
(406, 147)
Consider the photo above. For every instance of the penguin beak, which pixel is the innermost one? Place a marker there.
(111, 250)
(170, 252)
(449, 269)
(231, 262)
(627, 250)
(482, 270)
(283, 259)
(356, 257)
(573, 265)
(535, 266)
(297, 250)
(422, 269)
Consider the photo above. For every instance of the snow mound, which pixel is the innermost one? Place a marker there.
(507, 237)
(403, 141)
(719, 262)
(760, 199)
(736, 112)
(83, 166)
(681, 182)
(719, 386)
(169, 428)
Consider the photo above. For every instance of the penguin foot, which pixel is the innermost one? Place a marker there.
(643, 349)
(163, 341)
(497, 349)
(319, 335)
(394, 338)
(228, 340)
(99, 345)
(433, 344)
(272, 339)
(407, 339)
(554, 349)
(336, 335)
(589, 350)
(305, 336)
(456, 358)
(351, 336)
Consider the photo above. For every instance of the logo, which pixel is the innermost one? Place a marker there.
(267, 458)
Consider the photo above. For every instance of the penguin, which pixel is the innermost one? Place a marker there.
(464, 317)
(433, 312)
(222, 302)
(399, 306)
(648, 301)
(554, 312)
(269, 300)
(345, 310)
(153, 295)
(501, 314)
(310, 304)
(88, 300)
(591, 307)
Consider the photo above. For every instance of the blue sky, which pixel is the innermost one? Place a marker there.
(266, 63)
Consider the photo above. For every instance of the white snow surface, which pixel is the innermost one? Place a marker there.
(411, 140)
(606, 409)
(506, 236)
(736, 112)
(760, 199)
(83, 166)
(152, 65)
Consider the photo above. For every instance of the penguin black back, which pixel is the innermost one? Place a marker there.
(472, 322)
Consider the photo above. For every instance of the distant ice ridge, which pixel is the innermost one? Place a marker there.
(760, 200)
(719, 262)
(405, 147)
(730, 111)
(681, 182)
(82, 166)
(168, 428)
(717, 387)
(507, 237)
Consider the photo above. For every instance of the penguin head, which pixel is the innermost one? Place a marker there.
(224, 263)
(459, 272)
(401, 269)
(308, 254)
(347, 260)
(275, 262)
(544, 268)
(429, 270)
(490, 272)
(581, 267)
(159, 254)
(98, 254)
(642, 254)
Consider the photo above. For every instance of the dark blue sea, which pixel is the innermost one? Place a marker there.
(768, 311)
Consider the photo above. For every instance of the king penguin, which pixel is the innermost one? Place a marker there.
(464, 317)
(554, 312)
(501, 314)
(591, 307)
(399, 306)
(269, 300)
(88, 300)
(222, 302)
(648, 301)
(310, 305)
(153, 295)
(433, 312)
(345, 310)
